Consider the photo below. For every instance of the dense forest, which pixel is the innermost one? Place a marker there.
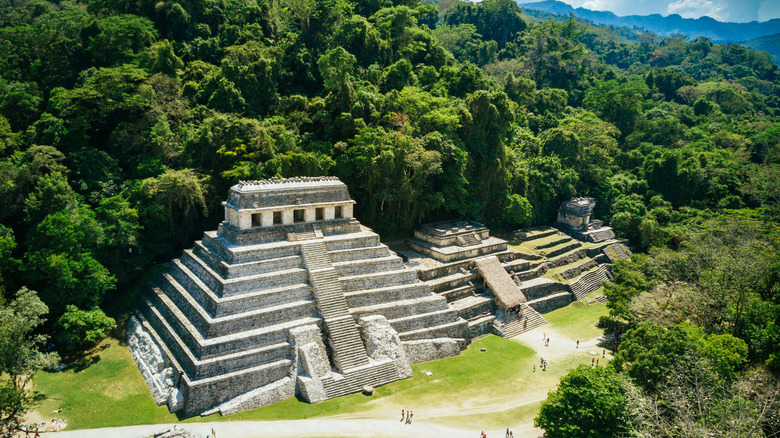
(124, 122)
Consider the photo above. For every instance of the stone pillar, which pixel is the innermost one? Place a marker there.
(287, 216)
(231, 216)
(244, 220)
(330, 213)
(309, 215)
(267, 218)
(348, 211)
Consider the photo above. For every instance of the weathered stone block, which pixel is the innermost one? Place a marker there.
(382, 342)
(151, 361)
(423, 350)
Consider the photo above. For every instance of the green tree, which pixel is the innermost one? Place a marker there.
(20, 349)
(617, 103)
(79, 329)
(589, 403)
(170, 206)
(518, 211)
(119, 38)
(52, 194)
(60, 260)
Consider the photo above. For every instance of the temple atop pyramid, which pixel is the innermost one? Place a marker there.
(290, 296)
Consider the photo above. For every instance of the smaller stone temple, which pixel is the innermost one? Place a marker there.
(575, 217)
(451, 241)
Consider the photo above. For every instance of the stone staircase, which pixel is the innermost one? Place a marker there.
(305, 232)
(621, 251)
(353, 380)
(601, 299)
(469, 239)
(508, 324)
(343, 335)
(590, 281)
(616, 251)
(601, 235)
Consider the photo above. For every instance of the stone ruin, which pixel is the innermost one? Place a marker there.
(290, 296)
(575, 217)
(501, 290)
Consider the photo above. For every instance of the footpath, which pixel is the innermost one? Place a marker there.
(299, 428)
(380, 426)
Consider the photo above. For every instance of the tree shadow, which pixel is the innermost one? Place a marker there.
(79, 361)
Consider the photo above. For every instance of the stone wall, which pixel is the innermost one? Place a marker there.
(423, 350)
(153, 363)
(551, 302)
(383, 343)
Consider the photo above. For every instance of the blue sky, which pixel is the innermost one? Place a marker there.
(723, 10)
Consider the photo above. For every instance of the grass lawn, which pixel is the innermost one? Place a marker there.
(578, 320)
(111, 391)
(491, 389)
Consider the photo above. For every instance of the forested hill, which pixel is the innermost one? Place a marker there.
(124, 123)
(665, 25)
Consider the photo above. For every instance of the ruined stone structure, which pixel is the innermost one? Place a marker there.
(290, 296)
(575, 217)
(502, 290)
(293, 296)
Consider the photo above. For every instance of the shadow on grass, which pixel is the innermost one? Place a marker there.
(79, 361)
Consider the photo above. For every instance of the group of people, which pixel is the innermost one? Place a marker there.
(13, 430)
(407, 415)
(509, 434)
(542, 365)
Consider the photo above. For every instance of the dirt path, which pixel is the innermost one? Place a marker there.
(383, 419)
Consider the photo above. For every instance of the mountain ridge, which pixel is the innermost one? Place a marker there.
(708, 27)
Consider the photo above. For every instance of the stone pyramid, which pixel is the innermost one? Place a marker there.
(290, 296)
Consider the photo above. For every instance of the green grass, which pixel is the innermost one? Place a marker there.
(460, 392)
(578, 320)
(554, 273)
(108, 392)
(111, 391)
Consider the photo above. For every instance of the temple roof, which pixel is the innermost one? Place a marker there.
(281, 192)
(507, 292)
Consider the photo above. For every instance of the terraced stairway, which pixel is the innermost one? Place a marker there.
(344, 339)
(306, 232)
(508, 324)
(590, 281)
(353, 380)
(470, 239)
(601, 235)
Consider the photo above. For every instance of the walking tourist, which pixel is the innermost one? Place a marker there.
(578, 343)
(402, 415)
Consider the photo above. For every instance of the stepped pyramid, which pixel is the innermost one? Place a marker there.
(502, 290)
(290, 296)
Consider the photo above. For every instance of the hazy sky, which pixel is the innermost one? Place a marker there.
(723, 10)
